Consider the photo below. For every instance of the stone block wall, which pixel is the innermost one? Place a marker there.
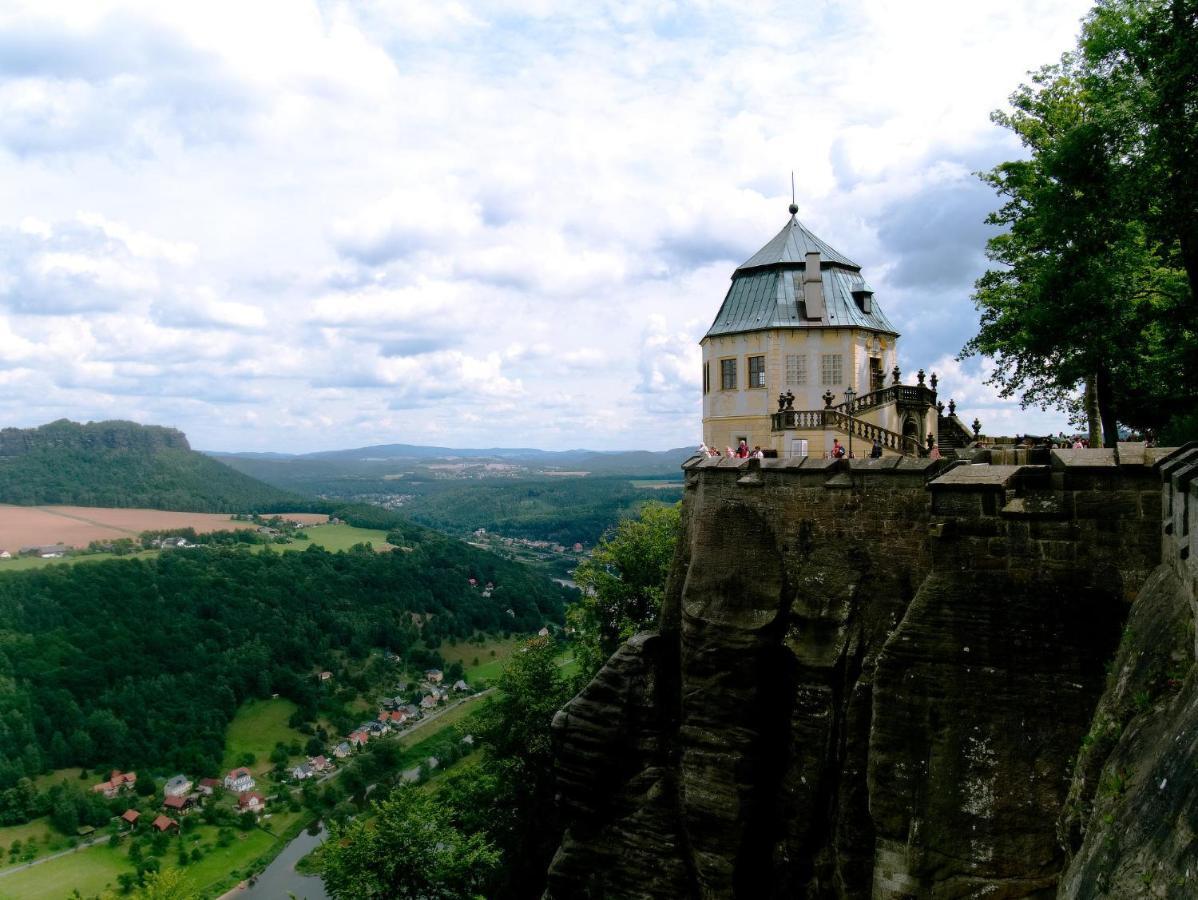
(870, 680)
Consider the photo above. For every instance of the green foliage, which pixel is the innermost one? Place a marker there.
(409, 849)
(164, 884)
(1098, 259)
(503, 804)
(143, 663)
(561, 509)
(1144, 68)
(623, 583)
(564, 510)
(517, 764)
(128, 465)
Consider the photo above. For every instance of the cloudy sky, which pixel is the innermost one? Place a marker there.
(300, 226)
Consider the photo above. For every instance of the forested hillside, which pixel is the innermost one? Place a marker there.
(559, 509)
(142, 663)
(125, 464)
(515, 504)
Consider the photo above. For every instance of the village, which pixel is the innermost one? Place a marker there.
(240, 793)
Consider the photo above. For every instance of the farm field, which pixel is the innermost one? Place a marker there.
(331, 537)
(88, 871)
(46, 840)
(492, 655)
(256, 728)
(337, 537)
(78, 526)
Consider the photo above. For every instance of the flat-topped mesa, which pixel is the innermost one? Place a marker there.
(870, 680)
(800, 354)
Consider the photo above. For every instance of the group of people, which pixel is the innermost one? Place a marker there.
(838, 451)
(742, 451)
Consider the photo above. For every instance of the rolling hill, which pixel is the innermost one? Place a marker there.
(615, 462)
(124, 464)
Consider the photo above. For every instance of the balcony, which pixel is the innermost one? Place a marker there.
(835, 419)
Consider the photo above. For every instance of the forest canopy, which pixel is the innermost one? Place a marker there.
(142, 663)
(124, 464)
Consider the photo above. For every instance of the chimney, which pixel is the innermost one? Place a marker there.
(813, 287)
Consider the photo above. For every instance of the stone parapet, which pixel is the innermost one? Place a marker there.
(871, 676)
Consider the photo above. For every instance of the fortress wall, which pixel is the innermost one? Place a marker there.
(870, 680)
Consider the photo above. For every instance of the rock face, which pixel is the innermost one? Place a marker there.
(1131, 824)
(871, 679)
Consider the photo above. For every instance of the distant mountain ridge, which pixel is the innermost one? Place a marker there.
(380, 452)
(125, 464)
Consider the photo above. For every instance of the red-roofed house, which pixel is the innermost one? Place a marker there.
(240, 780)
(319, 763)
(359, 738)
(117, 782)
(178, 804)
(162, 823)
(208, 786)
(130, 817)
(251, 801)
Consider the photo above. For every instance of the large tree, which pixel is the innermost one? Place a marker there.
(515, 731)
(406, 848)
(623, 582)
(1142, 59)
(1085, 292)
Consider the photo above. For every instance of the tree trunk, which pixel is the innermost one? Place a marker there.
(1106, 406)
(1092, 413)
(1189, 259)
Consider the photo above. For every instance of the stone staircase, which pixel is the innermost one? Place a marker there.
(952, 434)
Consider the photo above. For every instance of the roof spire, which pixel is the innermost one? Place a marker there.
(794, 207)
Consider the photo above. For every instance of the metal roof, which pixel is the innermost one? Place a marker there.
(766, 298)
(767, 290)
(791, 245)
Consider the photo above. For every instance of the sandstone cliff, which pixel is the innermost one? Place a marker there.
(873, 679)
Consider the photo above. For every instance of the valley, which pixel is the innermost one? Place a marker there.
(333, 641)
(216, 852)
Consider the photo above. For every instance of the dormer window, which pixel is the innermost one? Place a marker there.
(864, 298)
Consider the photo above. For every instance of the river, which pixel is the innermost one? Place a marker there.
(280, 877)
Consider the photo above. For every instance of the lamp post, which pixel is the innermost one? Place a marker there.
(849, 396)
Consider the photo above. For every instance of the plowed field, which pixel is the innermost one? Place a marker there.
(78, 526)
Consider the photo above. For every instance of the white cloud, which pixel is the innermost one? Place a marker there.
(310, 225)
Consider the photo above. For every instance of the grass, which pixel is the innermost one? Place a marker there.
(446, 719)
(46, 839)
(90, 872)
(469, 761)
(336, 537)
(95, 869)
(24, 563)
(250, 851)
(257, 727)
(489, 666)
(70, 775)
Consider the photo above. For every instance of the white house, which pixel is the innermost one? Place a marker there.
(239, 780)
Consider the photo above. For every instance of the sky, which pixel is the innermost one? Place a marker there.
(296, 226)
